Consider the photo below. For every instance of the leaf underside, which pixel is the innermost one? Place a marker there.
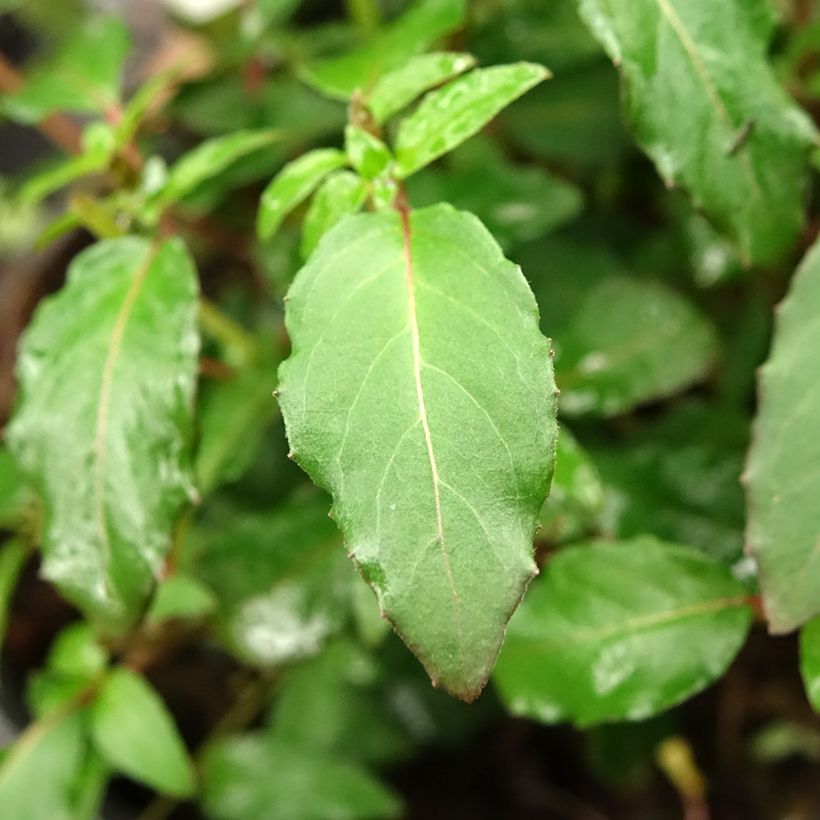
(434, 429)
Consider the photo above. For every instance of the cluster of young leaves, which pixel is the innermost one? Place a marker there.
(418, 391)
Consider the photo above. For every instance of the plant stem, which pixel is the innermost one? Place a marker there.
(365, 14)
(239, 345)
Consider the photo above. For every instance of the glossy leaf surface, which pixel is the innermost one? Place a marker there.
(706, 107)
(782, 477)
(437, 441)
(624, 630)
(108, 371)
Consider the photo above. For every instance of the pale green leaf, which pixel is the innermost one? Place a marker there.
(367, 154)
(250, 777)
(782, 477)
(108, 371)
(420, 26)
(209, 159)
(607, 361)
(420, 393)
(342, 193)
(452, 114)
(84, 76)
(706, 107)
(292, 185)
(136, 735)
(38, 774)
(399, 87)
(624, 630)
(76, 651)
(810, 661)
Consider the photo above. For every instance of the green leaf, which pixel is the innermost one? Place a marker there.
(13, 555)
(678, 478)
(618, 631)
(16, 499)
(438, 468)
(606, 361)
(810, 661)
(517, 203)
(134, 732)
(83, 77)
(280, 578)
(707, 109)
(181, 596)
(249, 777)
(64, 172)
(576, 495)
(367, 154)
(781, 477)
(89, 787)
(292, 185)
(448, 116)
(398, 88)
(342, 193)
(210, 159)
(108, 371)
(424, 23)
(38, 774)
(233, 417)
(76, 652)
(348, 699)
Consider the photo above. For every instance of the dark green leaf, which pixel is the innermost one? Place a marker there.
(449, 115)
(810, 661)
(108, 370)
(438, 467)
(250, 777)
(706, 107)
(617, 631)
(606, 361)
(136, 735)
(13, 555)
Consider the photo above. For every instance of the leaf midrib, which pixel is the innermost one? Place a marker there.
(106, 386)
(417, 368)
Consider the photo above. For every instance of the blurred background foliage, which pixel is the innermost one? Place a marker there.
(658, 327)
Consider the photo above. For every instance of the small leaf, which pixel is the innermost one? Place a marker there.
(438, 466)
(342, 193)
(83, 77)
(452, 114)
(37, 775)
(367, 154)
(782, 477)
(422, 24)
(250, 777)
(181, 596)
(134, 732)
(398, 88)
(208, 160)
(607, 362)
(616, 631)
(76, 652)
(810, 661)
(108, 370)
(62, 173)
(292, 185)
(705, 105)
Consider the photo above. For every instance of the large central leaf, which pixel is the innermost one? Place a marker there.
(420, 393)
(107, 371)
